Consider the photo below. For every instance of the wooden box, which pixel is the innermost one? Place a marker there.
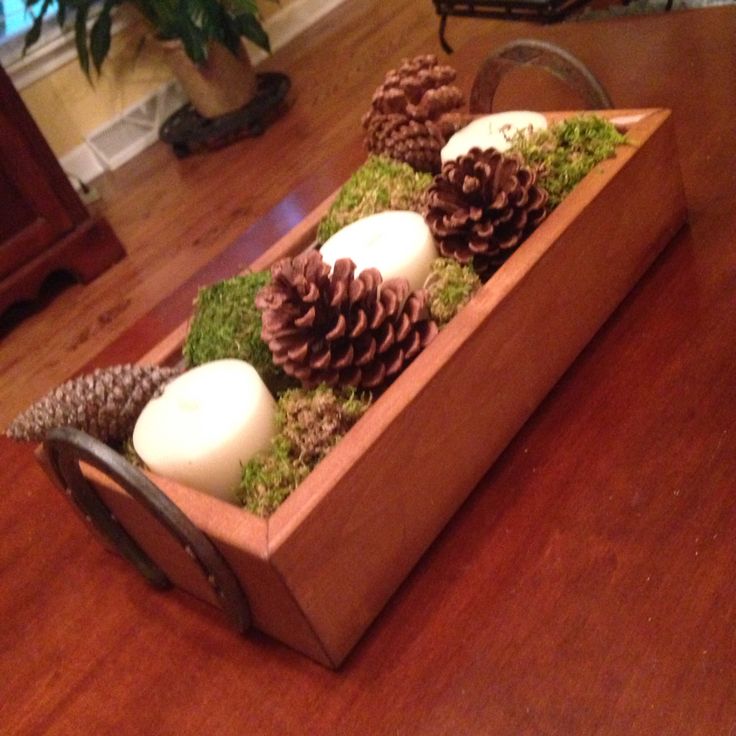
(320, 569)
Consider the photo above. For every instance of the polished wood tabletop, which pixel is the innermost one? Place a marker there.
(587, 586)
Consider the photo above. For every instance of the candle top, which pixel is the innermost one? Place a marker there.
(205, 424)
(491, 131)
(396, 242)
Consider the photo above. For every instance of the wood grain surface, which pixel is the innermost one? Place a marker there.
(586, 587)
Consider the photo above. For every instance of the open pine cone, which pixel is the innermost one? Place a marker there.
(482, 206)
(341, 329)
(414, 112)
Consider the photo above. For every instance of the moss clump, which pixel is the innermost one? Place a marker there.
(227, 324)
(380, 184)
(310, 424)
(567, 151)
(268, 479)
(449, 286)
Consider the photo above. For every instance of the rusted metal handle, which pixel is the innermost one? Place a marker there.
(67, 447)
(546, 56)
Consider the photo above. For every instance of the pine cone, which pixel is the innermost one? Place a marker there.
(406, 110)
(482, 206)
(405, 140)
(420, 88)
(105, 404)
(341, 329)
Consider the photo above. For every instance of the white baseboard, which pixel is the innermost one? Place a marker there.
(290, 21)
(81, 165)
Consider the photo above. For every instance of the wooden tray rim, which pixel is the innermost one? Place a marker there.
(263, 536)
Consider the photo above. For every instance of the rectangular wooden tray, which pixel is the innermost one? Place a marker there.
(321, 568)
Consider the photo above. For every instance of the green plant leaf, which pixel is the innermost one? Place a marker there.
(250, 27)
(184, 27)
(242, 7)
(194, 22)
(228, 34)
(80, 38)
(209, 17)
(99, 37)
(34, 32)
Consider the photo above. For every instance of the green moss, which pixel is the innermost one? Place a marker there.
(127, 450)
(226, 324)
(310, 424)
(380, 184)
(450, 286)
(268, 479)
(567, 151)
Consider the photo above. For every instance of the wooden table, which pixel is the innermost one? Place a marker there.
(586, 587)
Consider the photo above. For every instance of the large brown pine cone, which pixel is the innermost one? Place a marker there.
(105, 404)
(341, 329)
(407, 110)
(482, 206)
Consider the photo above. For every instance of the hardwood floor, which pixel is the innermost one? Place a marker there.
(174, 216)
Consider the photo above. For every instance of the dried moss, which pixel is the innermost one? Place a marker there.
(127, 450)
(226, 324)
(450, 286)
(380, 184)
(567, 151)
(310, 424)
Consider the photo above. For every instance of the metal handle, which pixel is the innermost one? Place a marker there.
(67, 447)
(547, 56)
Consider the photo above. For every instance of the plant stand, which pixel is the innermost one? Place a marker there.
(189, 132)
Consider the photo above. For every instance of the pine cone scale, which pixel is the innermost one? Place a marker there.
(342, 357)
(360, 325)
(320, 359)
(385, 338)
(414, 346)
(366, 353)
(338, 330)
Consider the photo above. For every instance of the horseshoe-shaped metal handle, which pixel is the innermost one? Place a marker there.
(529, 52)
(66, 447)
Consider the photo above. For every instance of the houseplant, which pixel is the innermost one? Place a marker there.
(202, 40)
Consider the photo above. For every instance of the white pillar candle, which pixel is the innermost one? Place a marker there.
(491, 131)
(397, 243)
(206, 424)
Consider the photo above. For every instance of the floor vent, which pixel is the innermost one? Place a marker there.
(137, 128)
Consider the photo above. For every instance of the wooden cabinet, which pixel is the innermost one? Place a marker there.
(44, 226)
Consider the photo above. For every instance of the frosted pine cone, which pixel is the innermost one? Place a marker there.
(341, 329)
(407, 110)
(482, 206)
(105, 403)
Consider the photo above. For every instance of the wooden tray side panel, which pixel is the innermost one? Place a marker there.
(350, 552)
